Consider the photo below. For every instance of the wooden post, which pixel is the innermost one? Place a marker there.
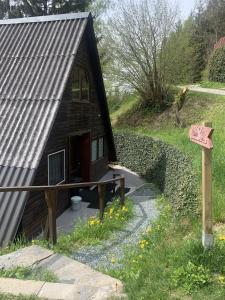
(207, 233)
(114, 185)
(101, 195)
(50, 197)
(122, 191)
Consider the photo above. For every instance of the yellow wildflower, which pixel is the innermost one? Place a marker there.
(221, 279)
(113, 260)
(143, 243)
(111, 211)
(148, 230)
(222, 238)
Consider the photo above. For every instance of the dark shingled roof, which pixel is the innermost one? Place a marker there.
(36, 57)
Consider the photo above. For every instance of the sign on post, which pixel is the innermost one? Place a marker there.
(202, 135)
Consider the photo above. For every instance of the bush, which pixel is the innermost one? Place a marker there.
(217, 65)
(161, 163)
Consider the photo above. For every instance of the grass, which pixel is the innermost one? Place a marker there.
(199, 107)
(212, 84)
(170, 263)
(88, 233)
(26, 273)
(94, 232)
(173, 264)
(20, 297)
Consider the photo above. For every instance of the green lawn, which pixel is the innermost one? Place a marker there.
(212, 85)
(173, 264)
(20, 297)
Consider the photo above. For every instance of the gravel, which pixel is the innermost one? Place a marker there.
(145, 212)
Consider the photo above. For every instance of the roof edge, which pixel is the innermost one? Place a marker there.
(48, 18)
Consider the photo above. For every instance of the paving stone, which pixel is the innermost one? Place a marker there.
(16, 286)
(25, 257)
(58, 291)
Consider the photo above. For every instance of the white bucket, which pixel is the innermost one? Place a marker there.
(76, 203)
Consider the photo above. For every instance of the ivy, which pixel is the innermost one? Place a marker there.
(158, 162)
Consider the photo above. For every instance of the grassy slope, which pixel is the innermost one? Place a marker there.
(199, 107)
(174, 244)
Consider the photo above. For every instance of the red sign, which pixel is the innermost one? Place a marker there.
(201, 135)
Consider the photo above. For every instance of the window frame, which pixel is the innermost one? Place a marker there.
(94, 139)
(64, 164)
(103, 147)
(81, 69)
(103, 152)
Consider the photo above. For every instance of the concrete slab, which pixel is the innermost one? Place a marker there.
(67, 221)
(68, 270)
(58, 291)
(25, 257)
(16, 286)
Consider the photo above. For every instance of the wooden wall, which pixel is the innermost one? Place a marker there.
(71, 117)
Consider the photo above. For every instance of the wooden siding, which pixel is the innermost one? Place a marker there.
(72, 117)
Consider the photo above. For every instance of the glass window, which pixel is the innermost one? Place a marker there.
(94, 150)
(76, 86)
(101, 147)
(56, 167)
(84, 85)
(80, 85)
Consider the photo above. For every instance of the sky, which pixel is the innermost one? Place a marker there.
(185, 6)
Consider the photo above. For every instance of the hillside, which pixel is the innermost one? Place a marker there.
(198, 107)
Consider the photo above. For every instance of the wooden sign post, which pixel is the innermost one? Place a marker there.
(202, 136)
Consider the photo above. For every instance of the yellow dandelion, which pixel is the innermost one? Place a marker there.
(113, 260)
(221, 279)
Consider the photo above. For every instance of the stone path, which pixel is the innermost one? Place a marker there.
(145, 212)
(196, 88)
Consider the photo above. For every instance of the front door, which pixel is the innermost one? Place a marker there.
(80, 158)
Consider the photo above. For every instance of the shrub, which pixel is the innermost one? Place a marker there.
(162, 164)
(191, 277)
(217, 65)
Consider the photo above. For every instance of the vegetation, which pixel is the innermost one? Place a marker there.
(29, 273)
(216, 65)
(138, 31)
(24, 8)
(89, 233)
(93, 232)
(197, 108)
(20, 297)
(158, 162)
(212, 85)
(170, 263)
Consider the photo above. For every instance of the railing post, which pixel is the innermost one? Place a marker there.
(114, 185)
(122, 191)
(101, 195)
(50, 197)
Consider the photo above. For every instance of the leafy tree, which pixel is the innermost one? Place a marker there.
(29, 8)
(138, 32)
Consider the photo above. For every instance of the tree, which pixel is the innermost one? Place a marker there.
(138, 33)
(29, 8)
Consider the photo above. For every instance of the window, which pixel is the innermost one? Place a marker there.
(80, 85)
(101, 147)
(94, 150)
(97, 148)
(56, 167)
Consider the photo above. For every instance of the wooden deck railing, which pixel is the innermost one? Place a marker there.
(51, 194)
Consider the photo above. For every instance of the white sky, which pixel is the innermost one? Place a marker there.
(186, 6)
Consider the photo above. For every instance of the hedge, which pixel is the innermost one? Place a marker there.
(158, 162)
(217, 65)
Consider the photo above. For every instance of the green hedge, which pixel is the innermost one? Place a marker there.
(217, 65)
(162, 164)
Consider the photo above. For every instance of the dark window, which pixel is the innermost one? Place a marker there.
(80, 85)
(97, 148)
(94, 150)
(56, 167)
(101, 147)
